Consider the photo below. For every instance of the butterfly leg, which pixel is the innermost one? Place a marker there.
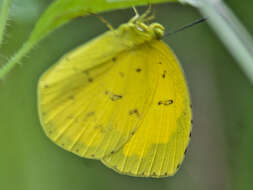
(145, 15)
(142, 18)
(136, 17)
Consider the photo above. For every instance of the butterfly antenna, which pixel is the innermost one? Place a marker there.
(136, 17)
(186, 26)
(103, 20)
(145, 15)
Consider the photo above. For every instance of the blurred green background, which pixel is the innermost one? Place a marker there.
(221, 149)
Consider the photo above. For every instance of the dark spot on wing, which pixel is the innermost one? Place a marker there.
(154, 174)
(77, 150)
(85, 72)
(63, 144)
(164, 74)
(190, 134)
(115, 97)
(71, 97)
(112, 152)
(121, 74)
(100, 128)
(50, 132)
(165, 102)
(166, 173)
(134, 111)
(46, 86)
(190, 105)
(114, 59)
(133, 132)
(178, 166)
(191, 121)
(90, 114)
(160, 62)
(93, 155)
(138, 70)
(90, 79)
(69, 116)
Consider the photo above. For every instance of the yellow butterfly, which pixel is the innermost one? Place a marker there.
(120, 98)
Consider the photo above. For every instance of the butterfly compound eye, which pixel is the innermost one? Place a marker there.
(158, 30)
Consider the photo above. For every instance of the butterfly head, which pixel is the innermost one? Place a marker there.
(157, 30)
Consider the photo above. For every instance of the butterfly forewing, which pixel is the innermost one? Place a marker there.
(94, 113)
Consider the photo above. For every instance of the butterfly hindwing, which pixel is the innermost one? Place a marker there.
(157, 148)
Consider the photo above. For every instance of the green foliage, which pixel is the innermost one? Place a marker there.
(60, 12)
(4, 10)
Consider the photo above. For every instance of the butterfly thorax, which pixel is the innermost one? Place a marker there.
(138, 32)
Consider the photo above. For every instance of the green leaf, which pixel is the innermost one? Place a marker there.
(4, 11)
(62, 11)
